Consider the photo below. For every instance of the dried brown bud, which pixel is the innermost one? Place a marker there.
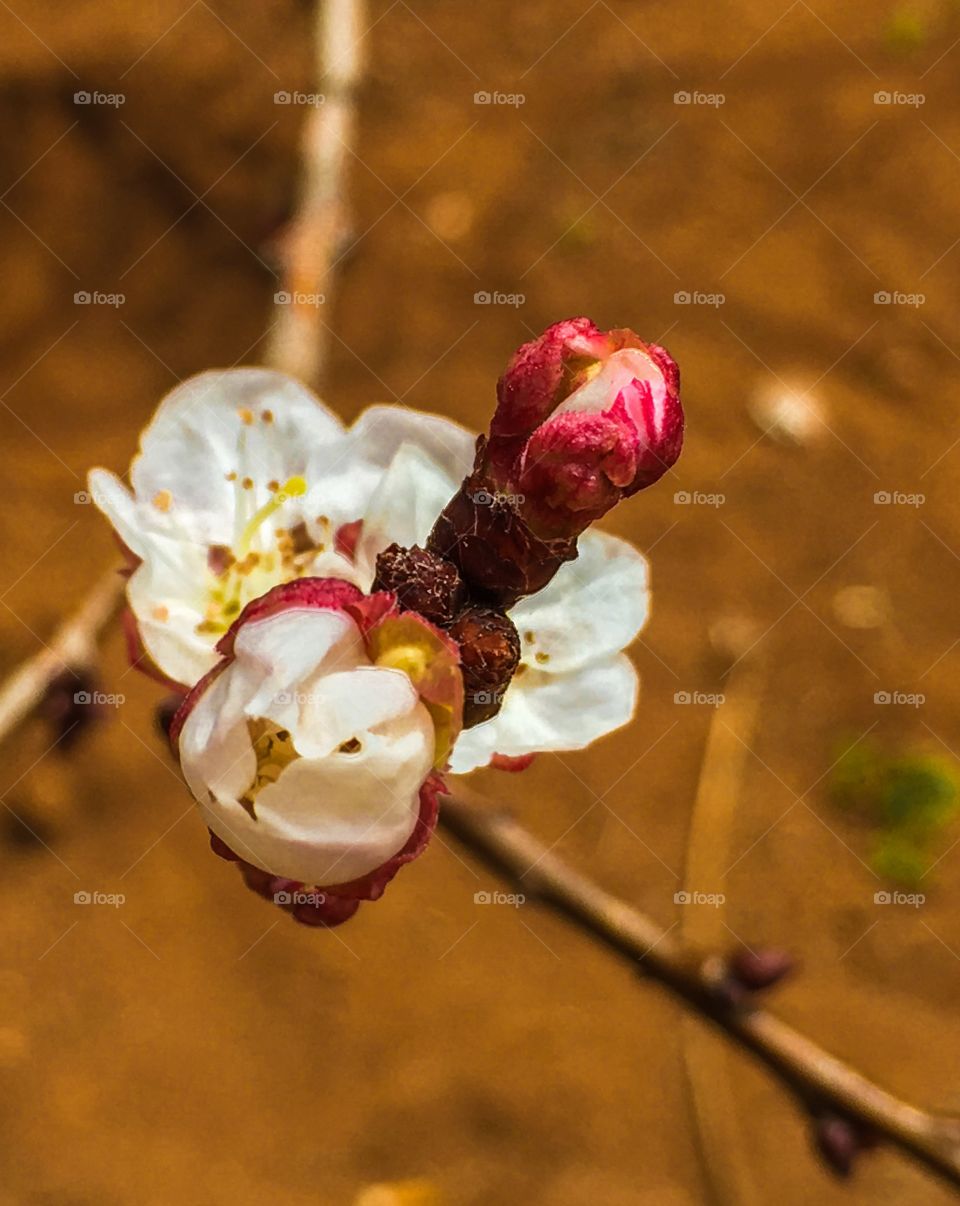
(756, 970)
(489, 655)
(838, 1142)
(423, 582)
(71, 703)
(164, 712)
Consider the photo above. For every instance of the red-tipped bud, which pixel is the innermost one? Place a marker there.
(584, 418)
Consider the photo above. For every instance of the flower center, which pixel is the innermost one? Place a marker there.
(249, 569)
(274, 752)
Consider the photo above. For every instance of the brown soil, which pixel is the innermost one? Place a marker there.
(195, 1046)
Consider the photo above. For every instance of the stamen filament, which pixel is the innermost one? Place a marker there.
(296, 487)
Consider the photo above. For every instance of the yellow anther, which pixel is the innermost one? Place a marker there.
(293, 488)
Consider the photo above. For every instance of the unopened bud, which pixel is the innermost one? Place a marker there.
(757, 970)
(489, 655)
(838, 1142)
(584, 418)
(422, 581)
(71, 703)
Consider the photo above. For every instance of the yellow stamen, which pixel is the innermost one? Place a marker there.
(296, 487)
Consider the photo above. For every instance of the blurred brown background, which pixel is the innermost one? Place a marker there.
(195, 1046)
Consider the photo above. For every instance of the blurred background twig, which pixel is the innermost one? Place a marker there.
(298, 338)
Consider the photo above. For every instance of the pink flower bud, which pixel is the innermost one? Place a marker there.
(584, 418)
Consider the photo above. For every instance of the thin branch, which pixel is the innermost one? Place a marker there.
(819, 1080)
(297, 342)
(723, 1149)
(72, 647)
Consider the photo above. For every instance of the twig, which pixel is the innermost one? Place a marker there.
(297, 342)
(296, 345)
(726, 1163)
(73, 646)
(818, 1079)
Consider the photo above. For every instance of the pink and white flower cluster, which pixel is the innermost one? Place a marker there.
(317, 712)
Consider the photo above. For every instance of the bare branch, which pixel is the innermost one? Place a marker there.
(297, 342)
(73, 646)
(818, 1079)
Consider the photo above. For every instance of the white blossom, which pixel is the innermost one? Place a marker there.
(243, 481)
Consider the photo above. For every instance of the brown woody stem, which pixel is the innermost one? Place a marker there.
(818, 1079)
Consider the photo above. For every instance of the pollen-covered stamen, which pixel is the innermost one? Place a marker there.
(295, 487)
(274, 752)
(243, 572)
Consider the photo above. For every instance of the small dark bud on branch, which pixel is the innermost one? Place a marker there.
(423, 582)
(489, 655)
(164, 713)
(71, 703)
(757, 970)
(838, 1142)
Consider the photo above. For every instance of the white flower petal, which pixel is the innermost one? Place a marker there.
(380, 431)
(339, 707)
(112, 497)
(405, 505)
(210, 473)
(331, 820)
(543, 712)
(333, 814)
(594, 607)
(216, 753)
(165, 594)
(252, 423)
